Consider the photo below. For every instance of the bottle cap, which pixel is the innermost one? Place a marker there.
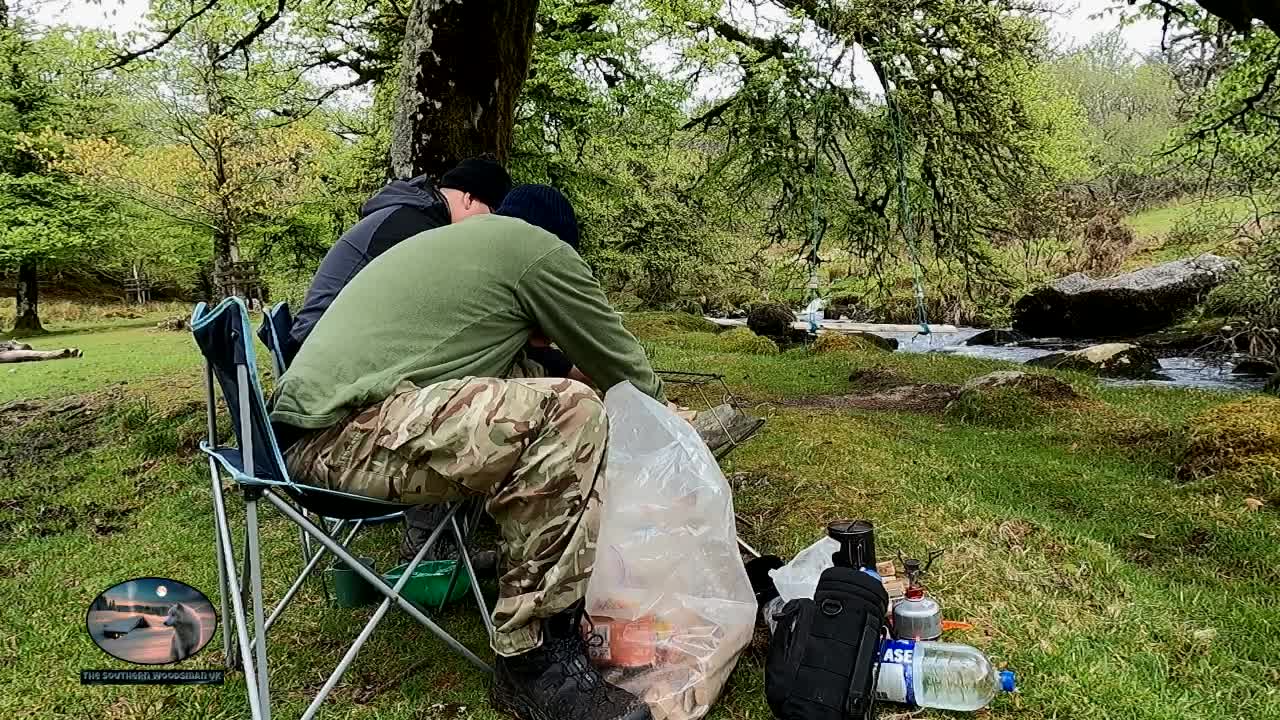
(1007, 681)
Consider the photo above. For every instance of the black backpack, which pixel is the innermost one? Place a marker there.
(822, 658)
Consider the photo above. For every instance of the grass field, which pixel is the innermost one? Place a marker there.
(1154, 226)
(1113, 590)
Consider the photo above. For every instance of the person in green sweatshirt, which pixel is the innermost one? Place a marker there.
(414, 386)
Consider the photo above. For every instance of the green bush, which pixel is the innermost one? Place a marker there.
(836, 342)
(998, 407)
(649, 325)
(1238, 445)
(742, 340)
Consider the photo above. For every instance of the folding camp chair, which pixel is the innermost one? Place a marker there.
(256, 466)
(277, 326)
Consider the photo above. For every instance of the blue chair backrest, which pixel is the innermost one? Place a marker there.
(277, 324)
(226, 342)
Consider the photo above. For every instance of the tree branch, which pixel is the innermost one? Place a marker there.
(709, 116)
(264, 24)
(122, 60)
(1247, 104)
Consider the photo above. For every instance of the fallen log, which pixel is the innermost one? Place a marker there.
(16, 352)
(723, 427)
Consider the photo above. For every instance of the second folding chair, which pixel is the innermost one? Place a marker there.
(256, 466)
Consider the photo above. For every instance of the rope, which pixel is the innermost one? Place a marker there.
(904, 209)
(817, 228)
(815, 218)
(821, 136)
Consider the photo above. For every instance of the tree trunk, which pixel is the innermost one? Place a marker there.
(224, 255)
(28, 297)
(461, 70)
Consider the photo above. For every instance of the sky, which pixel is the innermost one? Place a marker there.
(1074, 24)
(148, 590)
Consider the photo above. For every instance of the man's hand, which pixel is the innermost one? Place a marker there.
(576, 374)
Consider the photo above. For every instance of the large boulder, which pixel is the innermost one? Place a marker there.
(1120, 360)
(1121, 306)
(997, 336)
(1046, 387)
(771, 320)
(854, 340)
(1255, 367)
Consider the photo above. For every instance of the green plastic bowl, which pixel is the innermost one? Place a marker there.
(429, 582)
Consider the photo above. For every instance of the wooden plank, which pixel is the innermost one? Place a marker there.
(896, 587)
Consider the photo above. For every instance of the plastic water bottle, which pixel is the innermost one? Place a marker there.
(942, 675)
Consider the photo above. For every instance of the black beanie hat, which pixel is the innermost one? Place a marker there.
(485, 179)
(544, 206)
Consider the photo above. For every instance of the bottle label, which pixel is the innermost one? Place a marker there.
(895, 683)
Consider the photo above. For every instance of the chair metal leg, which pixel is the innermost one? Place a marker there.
(306, 572)
(373, 623)
(244, 569)
(254, 560)
(464, 552)
(230, 658)
(238, 618)
(473, 522)
(350, 655)
(377, 582)
(304, 546)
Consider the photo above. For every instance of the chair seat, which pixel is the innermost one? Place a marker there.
(344, 507)
(325, 503)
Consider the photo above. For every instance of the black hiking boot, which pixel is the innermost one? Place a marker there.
(420, 521)
(558, 682)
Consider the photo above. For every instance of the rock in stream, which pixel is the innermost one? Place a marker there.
(1125, 305)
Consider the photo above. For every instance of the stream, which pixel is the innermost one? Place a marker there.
(1210, 373)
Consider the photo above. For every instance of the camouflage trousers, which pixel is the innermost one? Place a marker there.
(534, 447)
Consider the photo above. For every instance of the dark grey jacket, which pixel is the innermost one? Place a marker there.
(400, 210)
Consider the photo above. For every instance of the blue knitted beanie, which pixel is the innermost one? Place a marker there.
(544, 206)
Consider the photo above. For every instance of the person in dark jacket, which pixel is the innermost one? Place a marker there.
(400, 210)
(397, 212)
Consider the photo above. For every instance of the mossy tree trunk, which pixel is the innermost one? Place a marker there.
(461, 70)
(28, 300)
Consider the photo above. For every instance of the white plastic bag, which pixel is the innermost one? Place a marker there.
(799, 578)
(813, 311)
(669, 598)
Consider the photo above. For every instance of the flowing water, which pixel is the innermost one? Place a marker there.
(1212, 373)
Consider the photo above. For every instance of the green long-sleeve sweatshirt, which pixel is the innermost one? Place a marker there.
(454, 302)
